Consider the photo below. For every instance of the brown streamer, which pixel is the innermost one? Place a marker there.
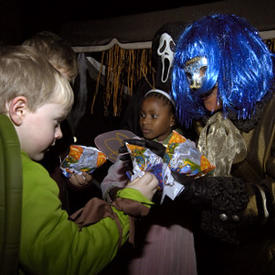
(124, 68)
(97, 83)
(270, 44)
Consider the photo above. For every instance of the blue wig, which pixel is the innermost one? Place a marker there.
(238, 61)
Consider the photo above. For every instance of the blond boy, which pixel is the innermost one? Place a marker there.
(36, 98)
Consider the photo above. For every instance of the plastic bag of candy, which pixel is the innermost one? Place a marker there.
(82, 159)
(181, 156)
(144, 160)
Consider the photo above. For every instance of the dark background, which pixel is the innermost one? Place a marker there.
(21, 19)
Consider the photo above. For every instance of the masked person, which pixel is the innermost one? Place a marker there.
(223, 85)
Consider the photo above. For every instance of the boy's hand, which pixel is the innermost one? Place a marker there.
(80, 180)
(147, 185)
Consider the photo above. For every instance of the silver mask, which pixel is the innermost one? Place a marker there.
(195, 69)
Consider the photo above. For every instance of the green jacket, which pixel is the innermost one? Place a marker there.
(52, 244)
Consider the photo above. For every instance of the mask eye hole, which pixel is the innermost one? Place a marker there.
(161, 50)
(189, 76)
(203, 70)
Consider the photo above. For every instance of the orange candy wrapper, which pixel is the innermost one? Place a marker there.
(181, 156)
(82, 159)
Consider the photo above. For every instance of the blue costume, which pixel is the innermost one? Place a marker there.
(222, 57)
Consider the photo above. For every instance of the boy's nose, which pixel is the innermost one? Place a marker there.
(58, 133)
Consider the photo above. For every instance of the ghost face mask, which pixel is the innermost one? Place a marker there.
(166, 52)
(195, 69)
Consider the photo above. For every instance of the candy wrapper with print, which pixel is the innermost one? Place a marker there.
(144, 160)
(181, 156)
(82, 159)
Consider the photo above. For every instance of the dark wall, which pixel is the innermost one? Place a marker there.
(142, 27)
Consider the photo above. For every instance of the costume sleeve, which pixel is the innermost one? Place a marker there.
(248, 204)
(51, 243)
(236, 206)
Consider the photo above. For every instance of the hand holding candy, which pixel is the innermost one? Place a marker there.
(147, 185)
(80, 180)
(195, 190)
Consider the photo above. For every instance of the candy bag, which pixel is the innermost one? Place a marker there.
(82, 159)
(144, 160)
(181, 156)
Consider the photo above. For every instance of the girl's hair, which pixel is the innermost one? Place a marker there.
(24, 72)
(163, 96)
(239, 62)
(58, 51)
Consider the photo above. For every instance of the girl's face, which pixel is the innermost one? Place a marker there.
(155, 119)
(40, 129)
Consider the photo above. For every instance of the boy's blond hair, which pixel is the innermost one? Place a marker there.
(58, 51)
(24, 72)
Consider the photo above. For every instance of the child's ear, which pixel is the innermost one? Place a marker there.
(172, 121)
(17, 108)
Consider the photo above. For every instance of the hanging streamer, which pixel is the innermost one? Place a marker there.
(124, 68)
(270, 44)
